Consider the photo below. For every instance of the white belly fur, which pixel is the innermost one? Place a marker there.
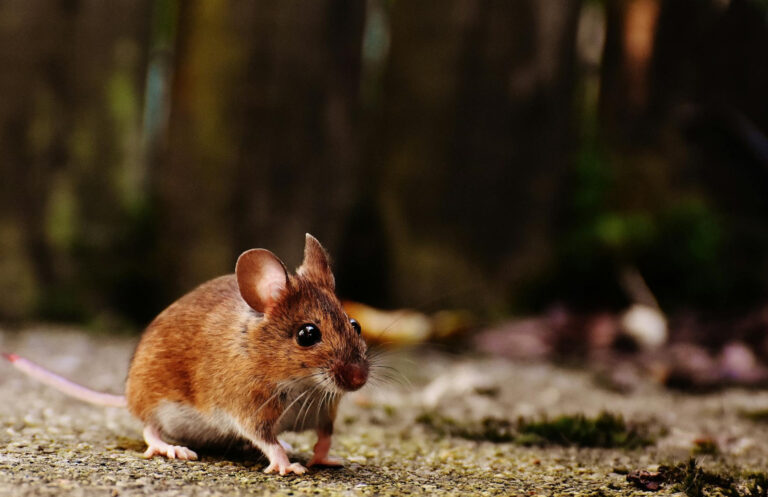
(184, 424)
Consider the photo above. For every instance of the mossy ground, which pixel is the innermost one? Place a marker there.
(604, 430)
(52, 445)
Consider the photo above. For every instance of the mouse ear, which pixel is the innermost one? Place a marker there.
(261, 277)
(316, 266)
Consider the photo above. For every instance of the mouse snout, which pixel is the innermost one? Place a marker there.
(351, 375)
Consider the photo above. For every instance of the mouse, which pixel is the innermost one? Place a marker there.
(240, 359)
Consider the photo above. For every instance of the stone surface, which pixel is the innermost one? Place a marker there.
(53, 445)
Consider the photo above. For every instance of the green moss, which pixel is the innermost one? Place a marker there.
(488, 391)
(605, 430)
(697, 482)
(758, 487)
(488, 429)
(757, 415)
(694, 481)
(705, 446)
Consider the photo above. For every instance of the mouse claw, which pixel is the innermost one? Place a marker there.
(294, 468)
(184, 453)
(171, 452)
(149, 453)
(157, 447)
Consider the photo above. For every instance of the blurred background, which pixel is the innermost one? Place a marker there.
(506, 158)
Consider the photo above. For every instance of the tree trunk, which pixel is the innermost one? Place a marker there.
(477, 127)
(262, 133)
(70, 138)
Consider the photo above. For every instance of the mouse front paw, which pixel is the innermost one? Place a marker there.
(284, 469)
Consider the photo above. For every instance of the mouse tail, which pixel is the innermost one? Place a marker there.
(64, 385)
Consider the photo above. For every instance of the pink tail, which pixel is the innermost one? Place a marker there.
(64, 385)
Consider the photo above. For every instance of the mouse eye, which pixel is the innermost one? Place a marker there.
(355, 325)
(308, 335)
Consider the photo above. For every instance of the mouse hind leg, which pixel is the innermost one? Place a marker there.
(157, 446)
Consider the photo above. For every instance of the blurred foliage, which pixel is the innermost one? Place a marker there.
(491, 156)
(644, 191)
(676, 244)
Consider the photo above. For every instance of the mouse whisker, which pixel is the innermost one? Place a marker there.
(321, 405)
(378, 350)
(328, 394)
(309, 393)
(309, 408)
(387, 379)
(385, 371)
(381, 381)
(278, 391)
(330, 399)
(302, 394)
(323, 397)
(391, 373)
(399, 379)
(385, 358)
(320, 409)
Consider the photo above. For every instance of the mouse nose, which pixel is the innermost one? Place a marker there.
(351, 376)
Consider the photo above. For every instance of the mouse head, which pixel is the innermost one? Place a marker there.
(305, 328)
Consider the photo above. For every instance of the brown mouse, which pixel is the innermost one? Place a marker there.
(242, 358)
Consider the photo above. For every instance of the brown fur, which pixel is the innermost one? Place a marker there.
(211, 351)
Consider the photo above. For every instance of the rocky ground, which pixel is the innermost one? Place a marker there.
(53, 445)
